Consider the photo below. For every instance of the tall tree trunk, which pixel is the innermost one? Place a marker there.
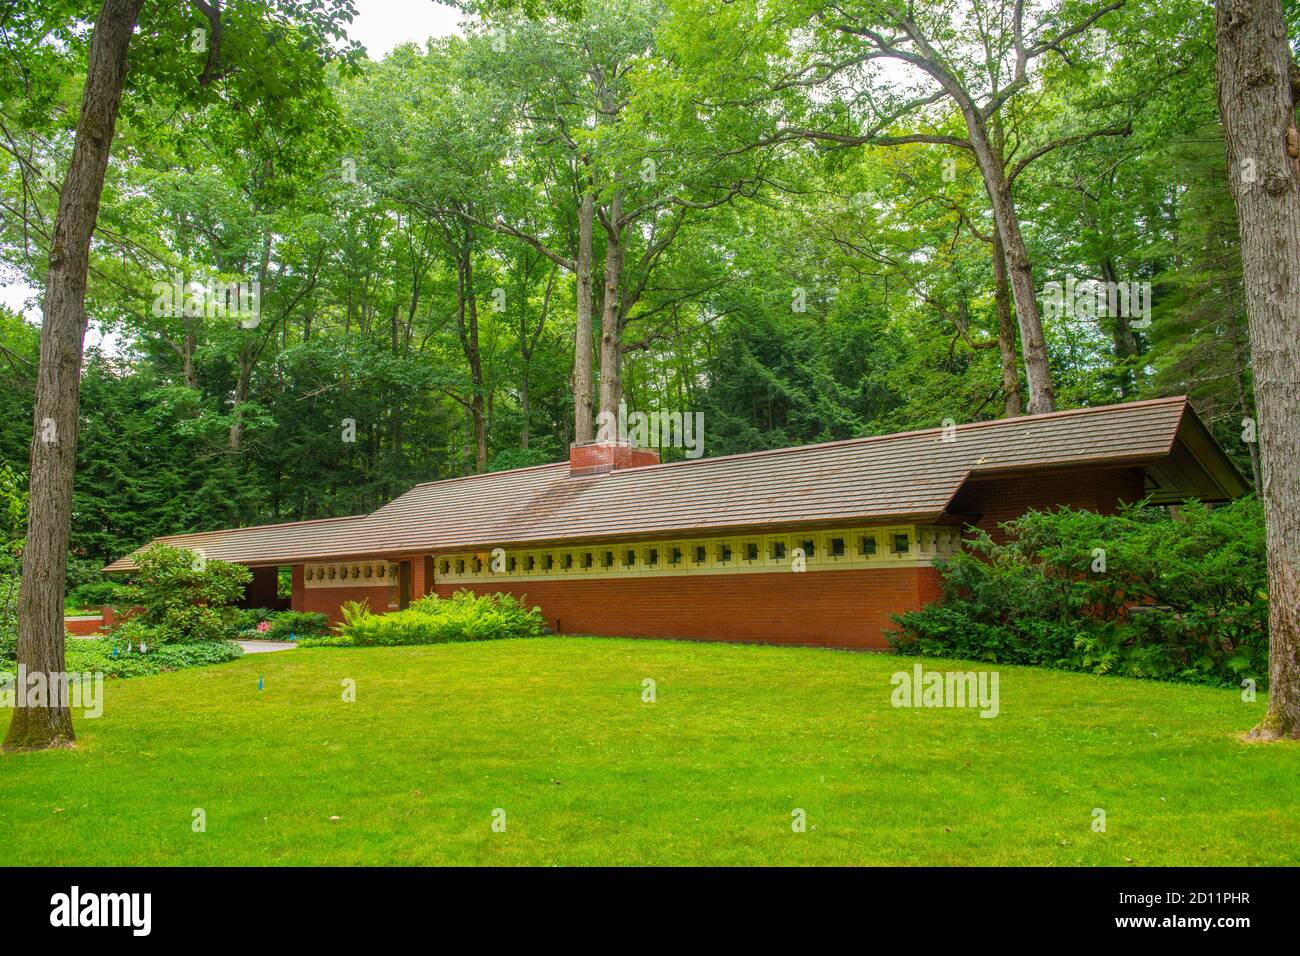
(54, 446)
(582, 370)
(611, 332)
(1123, 337)
(243, 387)
(1011, 401)
(467, 323)
(1042, 396)
(1258, 110)
(525, 403)
(1241, 363)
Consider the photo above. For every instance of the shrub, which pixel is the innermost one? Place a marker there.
(98, 593)
(1177, 598)
(186, 599)
(8, 643)
(97, 655)
(245, 621)
(294, 625)
(13, 522)
(434, 620)
(134, 633)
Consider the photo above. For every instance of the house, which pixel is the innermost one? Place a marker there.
(818, 544)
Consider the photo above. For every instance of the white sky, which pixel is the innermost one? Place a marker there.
(379, 25)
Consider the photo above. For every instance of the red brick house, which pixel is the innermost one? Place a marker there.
(817, 544)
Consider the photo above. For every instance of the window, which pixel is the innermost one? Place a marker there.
(460, 565)
(530, 563)
(902, 544)
(587, 559)
(778, 551)
(511, 563)
(837, 547)
(550, 562)
(701, 554)
(809, 547)
(629, 558)
(568, 560)
(724, 552)
(866, 545)
(607, 559)
(751, 551)
(652, 557)
(477, 564)
(444, 567)
(675, 556)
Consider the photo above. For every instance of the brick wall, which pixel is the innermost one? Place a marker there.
(1001, 499)
(841, 608)
(329, 600)
(83, 626)
(849, 608)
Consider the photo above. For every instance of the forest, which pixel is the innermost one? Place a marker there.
(313, 278)
(313, 286)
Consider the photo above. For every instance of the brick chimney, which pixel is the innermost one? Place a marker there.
(601, 457)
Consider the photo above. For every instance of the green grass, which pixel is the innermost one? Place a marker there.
(554, 732)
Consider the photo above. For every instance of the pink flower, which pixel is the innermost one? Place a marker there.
(263, 627)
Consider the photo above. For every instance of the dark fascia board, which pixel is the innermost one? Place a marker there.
(1219, 468)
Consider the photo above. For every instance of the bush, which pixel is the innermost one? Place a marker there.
(187, 600)
(84, 571)
(97, 655)
(294, 625)
(1142, 594)
(8, 644)
(244, 622)
(434, 620)
(98, 593)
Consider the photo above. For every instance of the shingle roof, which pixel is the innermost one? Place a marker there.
(913, 475)
(259, 544)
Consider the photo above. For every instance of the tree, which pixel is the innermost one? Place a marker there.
(1258, 84)
(980, 84)
(299, 54)
(54, 447)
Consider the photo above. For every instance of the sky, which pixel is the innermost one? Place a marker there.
(379, 25)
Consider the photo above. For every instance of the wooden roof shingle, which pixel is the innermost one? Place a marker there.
(913, 475)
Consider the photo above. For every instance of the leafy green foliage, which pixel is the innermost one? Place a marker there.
(13, 517)
(185, 599)
(99, 593)
(435, 620)
(97, 656)
(294, 625)
(1180, 598)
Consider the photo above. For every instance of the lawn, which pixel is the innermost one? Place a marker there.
(554, 733)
